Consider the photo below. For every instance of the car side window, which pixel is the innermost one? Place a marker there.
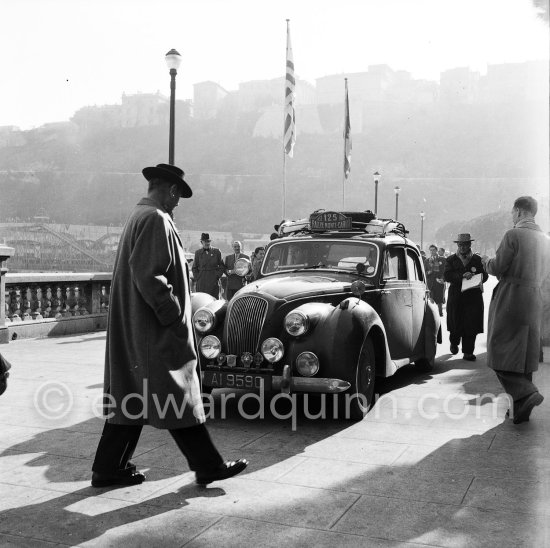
(395, 267)
(413, 264)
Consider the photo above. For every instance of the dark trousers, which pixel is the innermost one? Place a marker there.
(118, 443)
(518, 385)
(230, 292)
(468, 342)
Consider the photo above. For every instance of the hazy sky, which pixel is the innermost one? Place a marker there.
(59, 55)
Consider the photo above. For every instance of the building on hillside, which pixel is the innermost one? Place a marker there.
(512, 82)
(259, 94)
(207, 98)
(11, 136)
(459, 85)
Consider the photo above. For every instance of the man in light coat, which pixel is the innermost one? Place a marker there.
(513, 341)
(150, 361)
(234, 281)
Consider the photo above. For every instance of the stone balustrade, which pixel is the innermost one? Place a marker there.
(53, 303)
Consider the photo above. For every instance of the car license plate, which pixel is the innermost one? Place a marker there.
(227, 379)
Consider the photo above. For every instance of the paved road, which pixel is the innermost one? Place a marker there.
(435, 463)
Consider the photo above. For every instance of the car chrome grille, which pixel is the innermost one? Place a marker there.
(244, 326)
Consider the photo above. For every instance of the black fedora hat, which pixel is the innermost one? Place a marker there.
(171, 174)
(205, 237)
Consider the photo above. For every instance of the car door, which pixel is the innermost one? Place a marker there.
(419, 294)
(396, 302)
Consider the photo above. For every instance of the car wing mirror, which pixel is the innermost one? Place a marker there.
(359, 288)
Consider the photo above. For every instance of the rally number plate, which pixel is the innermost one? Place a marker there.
(225, 379)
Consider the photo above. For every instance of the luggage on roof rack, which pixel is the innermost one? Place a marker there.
(326, 221)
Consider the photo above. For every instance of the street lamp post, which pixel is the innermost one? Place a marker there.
(173, 60)
(376, 177)
(422, 217)
(396, 190)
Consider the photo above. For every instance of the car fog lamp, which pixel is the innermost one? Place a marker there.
(246, 359)
(221, 358)
(272, 349)
(307, 364)
(210, 347)
(203, 320)
(258, 359)
(296, 323)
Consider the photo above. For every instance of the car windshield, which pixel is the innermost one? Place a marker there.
(353, 256)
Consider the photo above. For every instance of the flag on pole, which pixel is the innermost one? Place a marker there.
(347, 136)
(289, 131)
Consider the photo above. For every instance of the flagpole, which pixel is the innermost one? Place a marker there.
(344, 157)
(289, 128)
(284, 183)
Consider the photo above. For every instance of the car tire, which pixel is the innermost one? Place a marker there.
(424, 364)
(357, 401)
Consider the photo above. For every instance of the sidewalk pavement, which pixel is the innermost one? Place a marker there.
(434, 463)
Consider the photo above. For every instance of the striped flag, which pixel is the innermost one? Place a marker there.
(290, 128)
(347, 137)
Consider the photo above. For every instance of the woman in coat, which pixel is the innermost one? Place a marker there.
(464, 308)
(150, 361)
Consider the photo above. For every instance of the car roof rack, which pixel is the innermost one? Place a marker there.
(361, 222)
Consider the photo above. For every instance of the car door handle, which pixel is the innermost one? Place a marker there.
(384, 292)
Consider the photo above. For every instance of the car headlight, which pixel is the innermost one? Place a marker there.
(272, 350)
(203, 320)
(296, 323)
(307, 364)
(210, 347)
(242, 267)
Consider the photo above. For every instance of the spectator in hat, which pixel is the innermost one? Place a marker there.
(521, 264)
(234, 280)
(151, 373)
(464, 308)
(208, 267)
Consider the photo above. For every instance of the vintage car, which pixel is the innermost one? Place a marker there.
(341, 300)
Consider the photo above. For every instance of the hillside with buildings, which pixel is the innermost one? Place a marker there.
(457, 148)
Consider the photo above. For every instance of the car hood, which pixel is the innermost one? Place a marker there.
(293, 286)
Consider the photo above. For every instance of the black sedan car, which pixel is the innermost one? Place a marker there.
(341, 299)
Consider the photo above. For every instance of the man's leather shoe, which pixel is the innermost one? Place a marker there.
(470, 357)
(122, 477)
(526, 406)
(226, 470)
(454, 349)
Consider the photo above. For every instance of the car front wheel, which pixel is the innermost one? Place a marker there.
(360, 397)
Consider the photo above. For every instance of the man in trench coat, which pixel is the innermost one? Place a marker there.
(208, 267)
(464, 308)
(150, 360)
(521, 265)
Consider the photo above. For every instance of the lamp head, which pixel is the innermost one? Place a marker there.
(173, 59)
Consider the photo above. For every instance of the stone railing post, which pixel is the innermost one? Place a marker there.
(5, 254)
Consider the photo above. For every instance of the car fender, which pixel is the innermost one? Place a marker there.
(337, 336)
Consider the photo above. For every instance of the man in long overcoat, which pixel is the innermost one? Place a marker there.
(234, 281)
(150, 361)
(464, 308)
(521, 265)
(208, 267)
